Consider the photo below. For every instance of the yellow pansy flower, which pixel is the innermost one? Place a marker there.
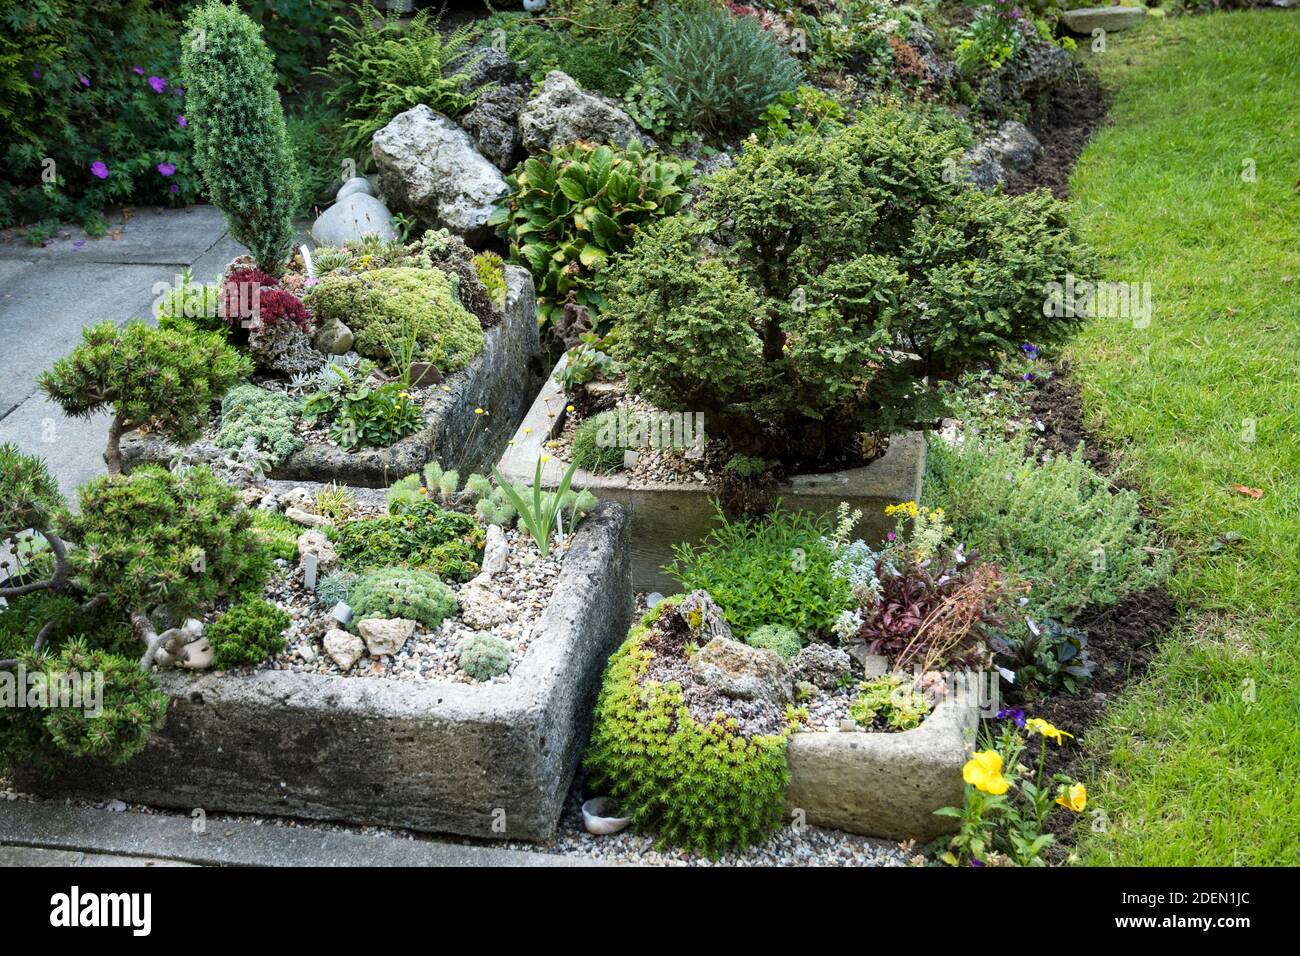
(1075, 798)
(1036, 725)
(984, 770)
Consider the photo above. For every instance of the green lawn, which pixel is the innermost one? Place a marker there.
(1199, 763)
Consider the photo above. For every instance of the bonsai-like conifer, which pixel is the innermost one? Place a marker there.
(165, 380)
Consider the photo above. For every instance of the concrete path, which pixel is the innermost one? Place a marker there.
(47, 295)
(89, 837)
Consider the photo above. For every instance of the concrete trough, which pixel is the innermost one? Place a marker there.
(492, 761)
(502, 379)
(886, 784)
(664, 514)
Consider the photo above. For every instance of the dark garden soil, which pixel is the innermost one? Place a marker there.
(1122, 638)
(1063, 124)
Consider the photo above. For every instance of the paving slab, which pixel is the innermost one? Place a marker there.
(239, 842)
(22, 856)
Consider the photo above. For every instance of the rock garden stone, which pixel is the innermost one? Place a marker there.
(706, 620)
(343, 648)
(357, 184)
(821, 665)
(429, 167)
(482, 66)
(495, 551)
(356, 215)
(1111, 19)
(333, 338)
(494, 124)
(315, 542)
(1030, 74)
(306, 518)
(386, 635)
(562, 113)
(743, 672)
(283, 348)
(1014, 146)
(480, 608)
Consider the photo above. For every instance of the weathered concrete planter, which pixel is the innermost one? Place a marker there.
(667, 513)
(493, 761)
(885, 784)
(502, 379)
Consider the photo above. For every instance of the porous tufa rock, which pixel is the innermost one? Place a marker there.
(315, 542)
(821, 665)
(343, 648)
(743, 672)
(563, 113)
(386, 635)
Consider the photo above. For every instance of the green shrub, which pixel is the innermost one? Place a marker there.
(483, 656)
(893, 699)
(265, 418)
(381, 66)
(75, 88)
(248, 633)
(702, 787)
(596, 44)
(401, 592)
(776, 637)
(22, 618)
(384, 306)
(421, 535)
(241, 144)
(296, 32)
(146, 377)
(131, 709)
(1056, 524)
(491, 271)
(190, 307)
(177, 539)
(277, 533)
(851, 279)
(366, 417)
(592, 447)
(712, 71)
(775, 570)
(333, 588)
(29, 495)
(571, 209)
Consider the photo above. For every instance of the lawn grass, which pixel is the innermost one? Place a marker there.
(1199, 762)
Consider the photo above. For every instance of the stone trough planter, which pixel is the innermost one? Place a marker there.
(663, 513)
(492, 761)
(886, 784)
(503, 379)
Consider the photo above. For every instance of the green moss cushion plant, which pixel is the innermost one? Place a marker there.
(704, 787)
(421, 535)
(384, 307)
(241, 144)
(401, 592)
(248, 633)
(483, 656)
(776, 637)
(265, 418)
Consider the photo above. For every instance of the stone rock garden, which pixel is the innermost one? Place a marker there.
(635, 430)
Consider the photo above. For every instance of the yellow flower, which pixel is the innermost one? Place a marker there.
(906, 508)
(446, 388)
(424, 491)
(569, 408)
(984, 770)
(1075, 798)
(1036, 725)
(479, 411)
(528, 431)
(545, 459)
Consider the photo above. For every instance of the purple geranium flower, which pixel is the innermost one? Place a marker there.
(1014, 714)
(166, 168)
(976, 861)
(85, 80)
(36, 73)
(157, 83)
(174, 189)
(182, 122)
(99, 170)
(1029, 376)
(1030, 350)
(139, 70)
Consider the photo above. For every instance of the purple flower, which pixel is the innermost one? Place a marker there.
(182, 122)
(178, 90)
(99, 170)
(78, 243)
(976, 861)
(166, 168)
(1029, 376)
(138, 70)
(1030, 350)
(36, 73)
(1014, 714)
(85, 80)
(890, 536)
(174, 189)
(157, 83)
